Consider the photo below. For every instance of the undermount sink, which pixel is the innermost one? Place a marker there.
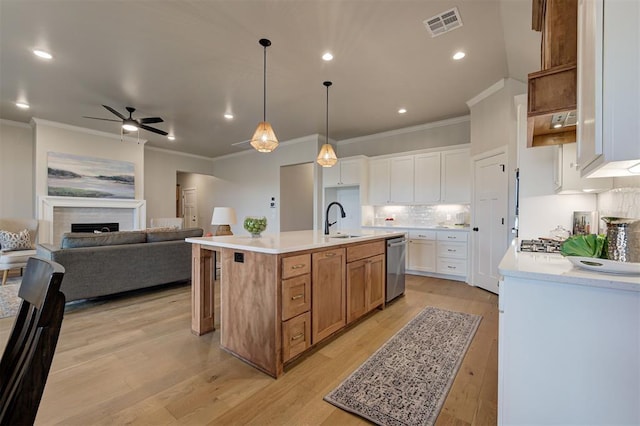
(344, 236)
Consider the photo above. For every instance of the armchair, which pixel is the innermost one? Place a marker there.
(17, 258)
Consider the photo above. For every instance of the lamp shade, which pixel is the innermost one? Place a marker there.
(264, 138)
(223, 216)
(327, 156)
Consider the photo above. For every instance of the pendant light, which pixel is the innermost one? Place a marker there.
(327, 156)
(264, 138)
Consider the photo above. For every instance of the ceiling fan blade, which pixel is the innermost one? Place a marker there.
(154, 130)
(98, 118)
(114, 112)
(150, 120)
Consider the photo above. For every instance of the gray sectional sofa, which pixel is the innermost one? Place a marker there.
(109, 263)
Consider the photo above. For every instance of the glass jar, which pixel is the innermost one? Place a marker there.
(255, 225)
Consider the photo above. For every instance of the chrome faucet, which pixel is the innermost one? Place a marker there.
(326, 216)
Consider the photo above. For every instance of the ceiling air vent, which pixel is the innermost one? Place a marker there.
(443, 22)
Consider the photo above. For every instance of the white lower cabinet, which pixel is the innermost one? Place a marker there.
(422, 251)
(568, 354)
(438, 252)
(452, 253)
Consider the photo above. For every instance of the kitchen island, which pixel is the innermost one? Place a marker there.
(281, 294)
(569, 343)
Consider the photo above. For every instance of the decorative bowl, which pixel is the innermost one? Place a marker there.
(255, 225)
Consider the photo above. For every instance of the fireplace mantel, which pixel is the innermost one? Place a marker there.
(47, 204)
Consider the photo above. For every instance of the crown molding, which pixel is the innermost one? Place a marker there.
(172, 152)
(40, 121)
(405, 130)
(15, 123)
(486, 92)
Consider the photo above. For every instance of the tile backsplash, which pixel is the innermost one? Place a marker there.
(421, 215)
(620, 202)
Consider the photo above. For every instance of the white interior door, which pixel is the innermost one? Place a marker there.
(190, 207)
(490, 219)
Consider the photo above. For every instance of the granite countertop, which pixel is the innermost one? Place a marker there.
(287, 242)
(556, 268)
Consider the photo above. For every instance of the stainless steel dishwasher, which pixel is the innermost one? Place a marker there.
(396, 252)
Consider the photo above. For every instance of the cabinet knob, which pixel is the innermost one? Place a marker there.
(475, 229)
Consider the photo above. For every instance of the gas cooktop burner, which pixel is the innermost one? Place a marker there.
(543, 245)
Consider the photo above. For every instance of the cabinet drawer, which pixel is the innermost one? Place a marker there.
(454, 250)
(452, 266)
(452, 236)
(296, 336)
(296, 265)
(361, 251)
(422, 235)
(296, 296)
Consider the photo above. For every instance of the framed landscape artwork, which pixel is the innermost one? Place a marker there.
(71, 175)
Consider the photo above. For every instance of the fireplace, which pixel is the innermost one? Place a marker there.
(57, 214)
(95, 227)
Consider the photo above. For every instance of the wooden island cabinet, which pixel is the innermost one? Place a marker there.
(281, 295)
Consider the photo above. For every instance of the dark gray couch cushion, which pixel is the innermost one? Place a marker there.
(178, 234)
(82, 239)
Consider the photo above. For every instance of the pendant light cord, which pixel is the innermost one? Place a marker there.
(327, 84)
(264, 86)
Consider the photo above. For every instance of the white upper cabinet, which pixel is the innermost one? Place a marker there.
(347, 171)
(401, 179)
(566, 176)
(456, 176)
(427, 178)
(379, 173)
(608, 84)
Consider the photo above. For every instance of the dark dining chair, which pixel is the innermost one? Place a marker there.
(27, 357)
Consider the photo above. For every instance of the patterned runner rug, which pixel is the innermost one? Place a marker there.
(406, 381)
(9, 300)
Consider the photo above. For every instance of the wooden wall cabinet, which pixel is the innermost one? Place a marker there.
(365, 279)
(552, 90)
(328, 312)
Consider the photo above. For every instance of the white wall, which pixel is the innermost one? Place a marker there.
(247, 180)
(16, 170)
(205, 187)
(160, 176)
(438, 134)
(57, 137)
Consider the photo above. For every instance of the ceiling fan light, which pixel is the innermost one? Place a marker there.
(327, 156)
(264, 139)
(129, 126)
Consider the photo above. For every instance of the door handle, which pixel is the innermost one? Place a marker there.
(475, 229)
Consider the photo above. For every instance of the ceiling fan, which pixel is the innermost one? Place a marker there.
(130, 124)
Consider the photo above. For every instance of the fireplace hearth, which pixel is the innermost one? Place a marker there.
(95, 227)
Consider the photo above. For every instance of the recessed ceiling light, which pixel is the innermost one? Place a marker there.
(459, 55)
(228, 116)
(402, 110)
(42, 54)
(327, 56)
(171, 137)
(22, 105)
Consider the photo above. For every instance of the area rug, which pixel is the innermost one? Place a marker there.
(9, 300)
(406, 381)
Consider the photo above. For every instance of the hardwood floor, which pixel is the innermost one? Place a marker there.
(133, 360)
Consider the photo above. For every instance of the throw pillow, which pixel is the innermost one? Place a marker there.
(10, 241)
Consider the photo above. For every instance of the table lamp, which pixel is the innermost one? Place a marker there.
(223, 217)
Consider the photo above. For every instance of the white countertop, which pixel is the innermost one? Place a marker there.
(430, 228)
(287, 242)
(554, 267)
